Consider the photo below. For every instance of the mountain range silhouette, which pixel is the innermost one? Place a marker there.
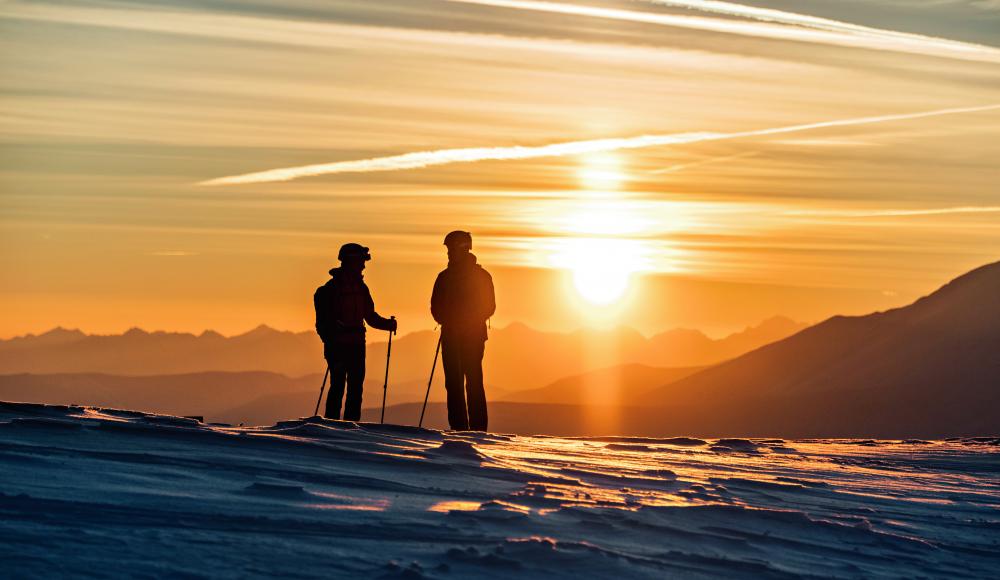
(519, 357)
(929, 369)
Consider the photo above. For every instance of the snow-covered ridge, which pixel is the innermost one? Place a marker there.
(113, 493)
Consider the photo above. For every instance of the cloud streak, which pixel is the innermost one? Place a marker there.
(767, 23)
(422, 159)
(795, 19)
(756, 22)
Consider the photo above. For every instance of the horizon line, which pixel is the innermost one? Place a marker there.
(266, 327)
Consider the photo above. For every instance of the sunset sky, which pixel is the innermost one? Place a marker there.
(650, 163)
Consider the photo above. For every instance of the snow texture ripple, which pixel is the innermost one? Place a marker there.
(109, 493)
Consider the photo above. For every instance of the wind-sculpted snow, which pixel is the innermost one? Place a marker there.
(107, 493)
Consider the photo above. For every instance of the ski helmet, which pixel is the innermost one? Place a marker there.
(353, 250)
(459, 239)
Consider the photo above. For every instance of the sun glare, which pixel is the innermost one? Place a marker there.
(600, 172)
(603, 258)
(601, 267)
(599, 285)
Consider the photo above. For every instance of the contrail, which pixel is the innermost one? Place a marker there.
(765, 23)
(896, 212)
(421, 159)
(683, 166)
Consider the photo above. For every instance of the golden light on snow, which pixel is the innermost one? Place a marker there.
(454, 505)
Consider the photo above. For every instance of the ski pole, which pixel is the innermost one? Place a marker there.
(321, 389)
(429, 381)
(385, 385)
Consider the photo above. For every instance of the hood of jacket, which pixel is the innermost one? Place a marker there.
(464, 262)
(339, 273)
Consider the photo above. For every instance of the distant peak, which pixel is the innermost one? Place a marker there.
(682, 333)
(518, 326)
(778, 321)
(61, 331)
(210, 334)
(56, 335)
(135, 331)
(260, 330)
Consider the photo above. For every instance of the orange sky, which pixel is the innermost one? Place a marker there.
(698, 214)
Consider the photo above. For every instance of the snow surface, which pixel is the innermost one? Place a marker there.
(107, 493)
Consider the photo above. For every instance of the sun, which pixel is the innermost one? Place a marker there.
(601, 267)
(600, 285)
(601, 172)
(603, 246)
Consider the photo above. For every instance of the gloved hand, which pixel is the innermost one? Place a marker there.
(393, 324)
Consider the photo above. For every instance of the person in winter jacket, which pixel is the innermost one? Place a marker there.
(343, 306)
(462, 301)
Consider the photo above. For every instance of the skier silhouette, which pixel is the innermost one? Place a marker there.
(462, 301)
(343, 305)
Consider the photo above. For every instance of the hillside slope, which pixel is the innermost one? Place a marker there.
(932, 367)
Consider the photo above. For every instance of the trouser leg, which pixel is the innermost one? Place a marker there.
(472, 365)
(454, 384)
(355, 382)
(338, 375)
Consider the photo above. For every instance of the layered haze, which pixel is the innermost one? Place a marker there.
(927, 369)
(680, 196)
(267, 375)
